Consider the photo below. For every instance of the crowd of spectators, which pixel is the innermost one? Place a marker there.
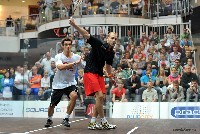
(152, 70)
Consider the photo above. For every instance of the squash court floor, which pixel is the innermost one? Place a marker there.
(79, 126)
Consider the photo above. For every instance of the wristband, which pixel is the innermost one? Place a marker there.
(74, 64)
(110, 75)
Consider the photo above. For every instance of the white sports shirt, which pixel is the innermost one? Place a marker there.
(66, 78)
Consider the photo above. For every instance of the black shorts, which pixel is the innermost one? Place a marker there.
(58, 93)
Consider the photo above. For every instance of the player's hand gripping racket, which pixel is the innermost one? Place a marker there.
(76, 3)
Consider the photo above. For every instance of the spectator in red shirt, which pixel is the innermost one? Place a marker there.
(118, 93)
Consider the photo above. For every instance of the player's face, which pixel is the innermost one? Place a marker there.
(112, 38)
(67, 45)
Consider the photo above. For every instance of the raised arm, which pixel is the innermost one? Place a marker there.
(79, 29)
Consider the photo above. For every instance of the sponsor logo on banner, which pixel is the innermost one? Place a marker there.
(141, 111)
(186, 112)
(33, 109)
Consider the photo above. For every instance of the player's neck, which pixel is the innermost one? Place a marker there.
(68, 54)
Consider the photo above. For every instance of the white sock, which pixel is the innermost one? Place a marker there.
(50, 117)
(103, 120)
(93, 120)
(67, 116)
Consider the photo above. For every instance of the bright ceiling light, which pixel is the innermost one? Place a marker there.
(23, 1)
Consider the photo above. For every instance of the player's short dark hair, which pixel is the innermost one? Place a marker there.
(66, 39)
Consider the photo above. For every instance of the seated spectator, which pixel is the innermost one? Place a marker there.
(136, 69)
(133, 84)
(185, 42)
(150, 67)
(161, 83)
(186, 34)
(118, 93)
(174, 55)
(178, 67)
(190, 63)
(150, 94)
(7, 84)
(187, 77)
(174, 75)
(193, 92)
(177, 44)
(144, 80)
(186, 56)
(176, 93)
(144, 36)
(163, 62)
(136, 55)
(141, 63)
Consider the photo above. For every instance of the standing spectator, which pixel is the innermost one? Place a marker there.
(193, 92)
(7, 86)
(176, 93)
(80, 86)
(48, 10)
(9, 21)
(46, 62)
(12, 73)
(118, 93)
(21, 84)
(39, 68)
(35, 84)
(150, 94)
(45, 85)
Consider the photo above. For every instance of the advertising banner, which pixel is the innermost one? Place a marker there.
(39, 109)
(136, 110)
(11, 108)
(180, 110)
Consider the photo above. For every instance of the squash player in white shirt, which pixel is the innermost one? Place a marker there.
(64, 81)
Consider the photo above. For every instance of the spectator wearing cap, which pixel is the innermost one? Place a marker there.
(133, 84)
(176, 93)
